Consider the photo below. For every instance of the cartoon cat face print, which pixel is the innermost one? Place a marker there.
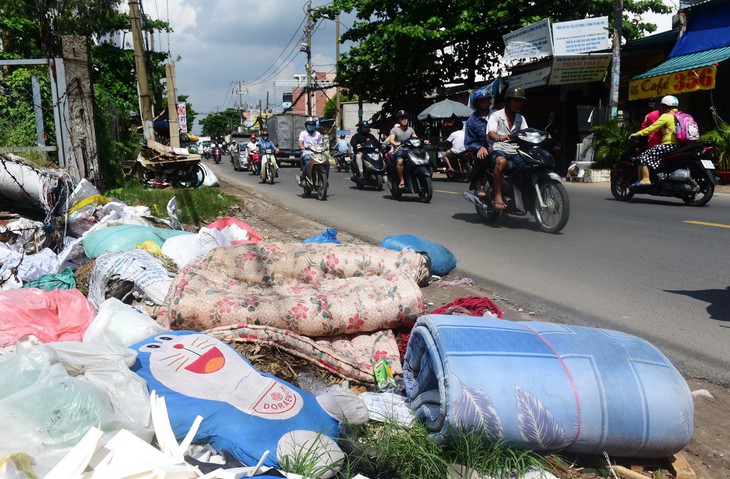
(202, 367)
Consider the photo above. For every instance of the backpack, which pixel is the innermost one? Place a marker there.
(687, 129)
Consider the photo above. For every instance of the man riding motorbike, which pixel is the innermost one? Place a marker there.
(308, 137)
(400, 133)
(500, 126)
(362, 136)
(475, 137)
(251, 148)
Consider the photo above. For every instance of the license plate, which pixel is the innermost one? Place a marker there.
(708, 164)
(292, 157)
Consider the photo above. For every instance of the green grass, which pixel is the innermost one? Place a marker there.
(195, 205)
(389, 451)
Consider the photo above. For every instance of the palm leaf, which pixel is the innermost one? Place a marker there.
(538, 428)
(475, 410)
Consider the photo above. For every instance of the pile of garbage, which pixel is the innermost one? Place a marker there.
(139, 378)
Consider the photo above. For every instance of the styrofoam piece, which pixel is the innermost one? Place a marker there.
(74, 463)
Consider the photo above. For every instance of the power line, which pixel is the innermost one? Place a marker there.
(255, 81)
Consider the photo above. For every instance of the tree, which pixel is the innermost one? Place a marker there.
(331, 105)
(406, 48)
(220, 124)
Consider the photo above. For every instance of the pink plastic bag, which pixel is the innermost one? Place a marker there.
(236, 231)
(59, 315)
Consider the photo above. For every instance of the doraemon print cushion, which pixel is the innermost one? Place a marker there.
(244, 411)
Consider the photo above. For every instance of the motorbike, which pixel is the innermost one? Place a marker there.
(254, 162)
(342, 161)
(269, 168)
(686, 173)
(534, 188)
(373, 167)
(216, 154)
(416, 171)
(315, 178)
(461, 166)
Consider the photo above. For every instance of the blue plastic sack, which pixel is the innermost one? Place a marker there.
(442, 260)
(328, 236)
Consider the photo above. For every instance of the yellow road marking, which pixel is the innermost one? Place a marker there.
(447, 192)
(702, 223)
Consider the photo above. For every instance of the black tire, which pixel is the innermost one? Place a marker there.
(190, 178)
(485, 212)
(465, 173)
(557, 206)
(379, 182)
(270, 175)
(620, 187)
(425, 189)
(142, 174)
(217, 159)
(394, 191)
(707, 190)
(319, 177)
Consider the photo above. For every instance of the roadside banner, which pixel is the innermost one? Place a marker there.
(531, 79)
(528, 43)
(580, 36)
(579, 68)
(182, 117)
(674, 83)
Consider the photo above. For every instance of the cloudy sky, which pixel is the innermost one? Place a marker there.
(222, 42)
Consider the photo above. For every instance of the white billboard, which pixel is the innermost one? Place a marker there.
(528, 43)
(580, 36)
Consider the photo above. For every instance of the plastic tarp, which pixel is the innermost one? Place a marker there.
(707, 28)
(442, 260)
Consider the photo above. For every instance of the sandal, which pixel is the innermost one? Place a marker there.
(402, 186)
(499, 205)
(481, 193)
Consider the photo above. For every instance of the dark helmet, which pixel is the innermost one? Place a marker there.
(265, 135)
(364, 124)
(401, 114)
(310, 121)
(479, 94)
(517, 92)
(342, 137)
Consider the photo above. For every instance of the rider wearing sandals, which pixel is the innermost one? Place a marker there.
(475, 137)
(400, 133)
(501, 125)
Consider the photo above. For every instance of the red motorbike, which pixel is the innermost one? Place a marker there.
(254, 163)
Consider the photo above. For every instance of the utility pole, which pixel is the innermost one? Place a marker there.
(338, 113)
(309, 58)
(239, 91)
(172, 119)
(145, 98)
(618, 17)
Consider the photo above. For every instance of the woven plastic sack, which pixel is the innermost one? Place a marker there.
(442, 260)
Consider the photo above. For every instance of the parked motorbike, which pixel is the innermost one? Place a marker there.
(315, 178)
(373, 167)
(269, 168)
(686, 173)
(216, 154)
(342, 161)
(416, 171)
(534, 188)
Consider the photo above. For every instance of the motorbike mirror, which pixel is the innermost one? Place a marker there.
(551, 120)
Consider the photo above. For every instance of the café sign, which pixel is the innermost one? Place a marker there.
(674, 83)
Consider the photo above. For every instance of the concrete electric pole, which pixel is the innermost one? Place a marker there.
(145, 98)
(173, 120)
(338, 112)
(618, 17)
(309, 58)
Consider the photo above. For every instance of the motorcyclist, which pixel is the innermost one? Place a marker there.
(475, 137)
(251, 148)
(400, 133)
(456, 141)
(342, 146)
(264, 143)
(362, 136)
(667, 123)
(500, 126)
(308, 137)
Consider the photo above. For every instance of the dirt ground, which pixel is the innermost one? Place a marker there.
(708, 454)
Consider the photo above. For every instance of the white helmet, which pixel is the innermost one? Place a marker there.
(670, 101)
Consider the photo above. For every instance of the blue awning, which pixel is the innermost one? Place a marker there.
(688, 62)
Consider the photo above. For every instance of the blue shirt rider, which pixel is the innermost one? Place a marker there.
(475, 137)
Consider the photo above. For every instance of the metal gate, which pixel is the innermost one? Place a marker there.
(34, 116)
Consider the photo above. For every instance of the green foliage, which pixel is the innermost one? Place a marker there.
(220, 124)
(719, 138)
(17, 114)
(610, 141)
(196, 206)
(330, 108)
(406, 48)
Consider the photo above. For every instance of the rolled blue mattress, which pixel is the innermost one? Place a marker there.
(546, 386)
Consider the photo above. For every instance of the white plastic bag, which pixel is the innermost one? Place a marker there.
(52, 394)
(121, 325)
(30, 266)
(185, 248)
(210, 178)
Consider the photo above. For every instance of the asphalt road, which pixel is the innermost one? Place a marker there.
(651, 267)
